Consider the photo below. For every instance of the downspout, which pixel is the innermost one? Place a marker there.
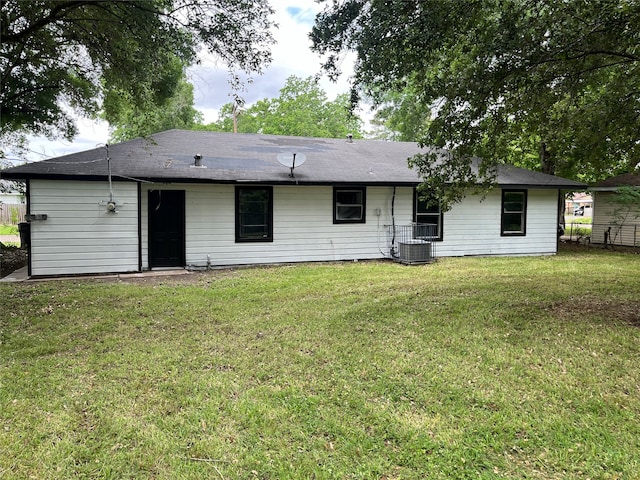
(560, 217)
(393, 223)
(109, 173)
(29, 256)
(139, 226)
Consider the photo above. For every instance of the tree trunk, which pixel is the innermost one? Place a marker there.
(547, 164)
(562, 227)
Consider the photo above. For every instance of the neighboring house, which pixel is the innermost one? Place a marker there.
(200, 199)
(604, 220)
(9, 196)
(12, 198)
(579, 204)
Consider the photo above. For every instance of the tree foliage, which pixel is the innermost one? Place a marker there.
(17, 144)
(128, 120)
(506, 80)
(302, 110)
(62, 56)
(401, 116)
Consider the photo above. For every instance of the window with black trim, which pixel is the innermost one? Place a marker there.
(514, 213)
(349, 204)
(254, 214)
(426, 212)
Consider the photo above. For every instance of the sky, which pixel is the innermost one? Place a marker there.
(291, 54)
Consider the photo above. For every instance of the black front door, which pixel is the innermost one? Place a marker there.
(166, 228)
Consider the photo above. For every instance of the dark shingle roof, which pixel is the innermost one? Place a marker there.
(230, 158)
(630, 179)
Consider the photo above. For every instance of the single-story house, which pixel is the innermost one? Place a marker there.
(9, 195)
(604, 221)
(12, 198)
(192, 199)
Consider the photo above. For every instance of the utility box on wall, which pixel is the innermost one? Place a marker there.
(35, 217)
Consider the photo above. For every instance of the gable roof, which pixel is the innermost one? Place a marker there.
(233, 158)
(626, 179)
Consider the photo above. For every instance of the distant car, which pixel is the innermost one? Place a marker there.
(578, 212)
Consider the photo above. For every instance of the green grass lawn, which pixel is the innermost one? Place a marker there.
(8, 230)
(578, 226)
(580, 220)
(471, 368)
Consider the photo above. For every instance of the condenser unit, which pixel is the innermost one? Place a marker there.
(412, 244)
(415, 251)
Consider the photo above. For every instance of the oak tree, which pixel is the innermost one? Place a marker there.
(400, 115)
(63, 57)
(302, 110)
(128, 120)
(505, 80)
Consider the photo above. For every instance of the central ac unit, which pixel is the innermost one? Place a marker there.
(415, 251)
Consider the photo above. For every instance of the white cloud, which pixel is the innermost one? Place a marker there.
(90, 134)
(292, 55)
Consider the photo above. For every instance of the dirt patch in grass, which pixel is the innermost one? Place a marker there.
(11, 259)
(615, 311)
(590, 247)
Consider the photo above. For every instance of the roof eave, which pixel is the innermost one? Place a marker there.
(603, 189)
(540, 186)
(24, 176)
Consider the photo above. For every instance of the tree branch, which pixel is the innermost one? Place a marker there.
(53, 16)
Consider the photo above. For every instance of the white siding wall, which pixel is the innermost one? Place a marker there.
(473, 227)
(603, 214)
(303, 227)
(79, 236)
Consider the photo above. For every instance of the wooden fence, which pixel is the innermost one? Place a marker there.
(12, 214)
